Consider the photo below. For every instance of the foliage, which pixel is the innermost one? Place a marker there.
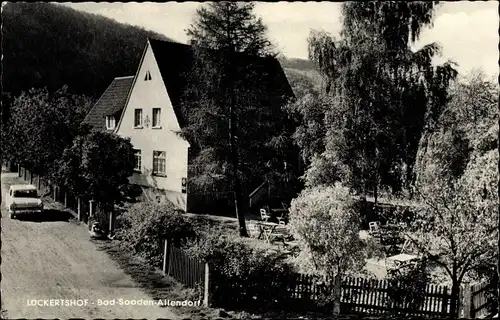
(144, 226)
(326, 223)
(467, 128)
(239, 269)
(407, 287)
(230, 24)
(41, 125)
(97, 165)
(235, 124)
(456, 225)
(385, 94)
(49, 45)
(211, 92)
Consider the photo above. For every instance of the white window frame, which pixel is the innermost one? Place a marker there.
(159, 163)
(137, 160)
(139, 125)
(110, 122)
(156, 124)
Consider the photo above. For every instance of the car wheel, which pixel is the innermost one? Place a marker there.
(12, 216)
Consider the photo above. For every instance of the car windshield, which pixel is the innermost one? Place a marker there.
(25, 194)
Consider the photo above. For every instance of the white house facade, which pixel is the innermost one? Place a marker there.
(149, 120)
(147, 109)
(139, 107)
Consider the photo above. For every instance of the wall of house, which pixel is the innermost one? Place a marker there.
(147, 95)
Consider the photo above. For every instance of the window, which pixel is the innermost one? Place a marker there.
(159, 162)
(110, 122)
(156, 117)
(137, 160)
(25, 194)
(138, 118)
(148, 76)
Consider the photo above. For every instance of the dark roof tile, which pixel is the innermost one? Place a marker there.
(111, 102)
(175, 61)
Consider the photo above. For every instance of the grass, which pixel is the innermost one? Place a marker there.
(158, 286)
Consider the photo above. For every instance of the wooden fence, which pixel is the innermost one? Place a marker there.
(372, 296)
(188, 271)
(303, 292)
(476, 300)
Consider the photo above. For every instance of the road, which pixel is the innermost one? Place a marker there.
(54, 259)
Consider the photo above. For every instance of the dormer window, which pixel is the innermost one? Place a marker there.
(148, 76)
(110, 122)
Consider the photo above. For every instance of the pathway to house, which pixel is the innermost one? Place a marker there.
(54, 259)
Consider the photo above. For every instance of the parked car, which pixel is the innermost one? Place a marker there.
(23, 199)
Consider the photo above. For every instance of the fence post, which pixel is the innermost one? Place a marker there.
(79, 208)
(55, 192)
(91, 208)
(205, 291)
(65, 199)
(18, 170)
(165, 256)
(465, 300)
(31, 177)
(111, 220)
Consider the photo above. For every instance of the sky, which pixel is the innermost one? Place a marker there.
(467, 31)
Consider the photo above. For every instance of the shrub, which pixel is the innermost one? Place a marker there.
(239, 270)
(407, 287)
(145, 226)
(325, 221)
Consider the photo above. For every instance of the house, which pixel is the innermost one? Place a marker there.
(147, 109)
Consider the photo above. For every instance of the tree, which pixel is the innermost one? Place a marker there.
(386, 95)
(227, 89)
(465, 129)
(97, 166)
(456, 224)
(325, 221)
(42, 125)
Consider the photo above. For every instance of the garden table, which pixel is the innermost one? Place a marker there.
(266, 230)
(402, 259)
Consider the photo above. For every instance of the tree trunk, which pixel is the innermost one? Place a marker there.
(237, 190)
(455, 292)
(336, 294)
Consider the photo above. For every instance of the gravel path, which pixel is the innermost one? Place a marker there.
(54, 259)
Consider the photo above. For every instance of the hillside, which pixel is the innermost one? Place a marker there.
(302, 75)
(51, 45)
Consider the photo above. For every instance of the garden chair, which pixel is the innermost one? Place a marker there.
(264, 214)
(374, 227)
(282, 219)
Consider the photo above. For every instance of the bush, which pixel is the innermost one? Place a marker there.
(240, 272)
(144, 227)
(407, 287)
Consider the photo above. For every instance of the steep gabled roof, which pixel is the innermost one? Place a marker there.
(175, 61)
(110, 103)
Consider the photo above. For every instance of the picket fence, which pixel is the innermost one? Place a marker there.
(369, 296)
(305, 292)
(476, 300)
(188, 271)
